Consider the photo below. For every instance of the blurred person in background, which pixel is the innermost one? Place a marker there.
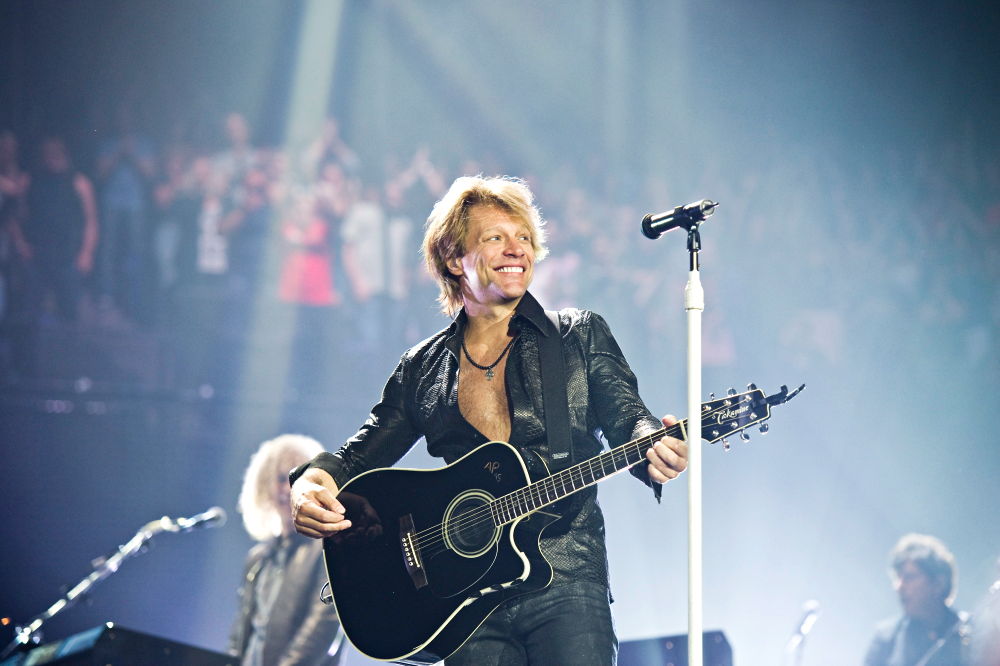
(929, 632)
(364, 237)
(239, 155)
(59, 236)
(13, 187)
(177, 199)
(14, 179)
(226, 203)
(126, 168)
(281, 619)
(211, 246)
(415, 187)
(329, 147)
(246, 225)
(306, 273)
(333, 199)
(306, 284)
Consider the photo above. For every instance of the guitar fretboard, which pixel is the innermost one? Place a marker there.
(553, 488)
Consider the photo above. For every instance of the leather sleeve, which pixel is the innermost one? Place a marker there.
(621, 413)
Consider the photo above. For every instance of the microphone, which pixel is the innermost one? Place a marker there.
(683, 217)
(214, 517)
(810, 613)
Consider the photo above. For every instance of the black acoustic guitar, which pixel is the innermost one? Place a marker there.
(431, 553)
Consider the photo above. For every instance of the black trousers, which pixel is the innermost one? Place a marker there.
(569, 623)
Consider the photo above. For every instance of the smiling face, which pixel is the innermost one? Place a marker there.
(499, 258)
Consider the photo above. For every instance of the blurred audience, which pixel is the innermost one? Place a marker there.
(327, 227)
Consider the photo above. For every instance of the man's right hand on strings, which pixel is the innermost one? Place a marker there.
(316, 511)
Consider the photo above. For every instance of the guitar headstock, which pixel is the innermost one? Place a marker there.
(736, 412)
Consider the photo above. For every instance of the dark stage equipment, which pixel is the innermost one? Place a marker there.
(112, 645)
(673, 651)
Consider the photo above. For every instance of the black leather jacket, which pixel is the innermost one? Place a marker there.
(300, 628)
(421, 399)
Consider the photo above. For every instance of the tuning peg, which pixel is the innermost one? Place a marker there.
(711, 396)
(751, 386)
(744, 436)
(764, 428)
(725, 445)
(731, 391)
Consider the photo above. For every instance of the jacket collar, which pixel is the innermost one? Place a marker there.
(528, 309)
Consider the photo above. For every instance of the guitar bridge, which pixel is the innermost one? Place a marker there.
(411, 552)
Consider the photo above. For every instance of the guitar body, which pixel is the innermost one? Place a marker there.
(425, 562)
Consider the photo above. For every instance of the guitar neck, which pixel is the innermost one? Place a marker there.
(719, 418)
(553, 488)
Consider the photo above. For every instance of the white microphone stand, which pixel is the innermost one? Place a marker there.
(689, 217)
(694, 304)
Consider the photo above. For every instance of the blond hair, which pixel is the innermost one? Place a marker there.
(262, 511)
(448, 227)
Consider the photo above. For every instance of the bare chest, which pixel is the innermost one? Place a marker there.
(483, 401)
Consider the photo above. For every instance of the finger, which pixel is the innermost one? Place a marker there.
(311, 526)
(323, 532)
(670, 454)
(665, 460)
(660, 474)
(311, 510)
(332, 503)
(669, 420)
(657, 475)
(323, 497)
(309, 532)
(678, 446)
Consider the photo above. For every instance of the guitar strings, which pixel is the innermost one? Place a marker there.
(547, 490)
(542, 491)
(544, 488)
(514, 503)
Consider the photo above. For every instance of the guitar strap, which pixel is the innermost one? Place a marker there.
(554, 398)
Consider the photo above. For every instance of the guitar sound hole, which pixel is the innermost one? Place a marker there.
(469, 528)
